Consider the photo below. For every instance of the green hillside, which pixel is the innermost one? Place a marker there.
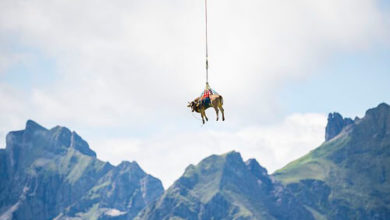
(347, 177)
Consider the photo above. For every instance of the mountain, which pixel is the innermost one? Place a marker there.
(226, 187)
(348, 176)
(53, 174)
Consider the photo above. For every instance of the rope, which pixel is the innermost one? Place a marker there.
(207, 46)
(197, 118)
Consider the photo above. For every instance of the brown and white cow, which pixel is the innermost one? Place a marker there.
(216, 101)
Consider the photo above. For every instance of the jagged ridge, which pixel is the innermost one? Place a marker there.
(226, 187)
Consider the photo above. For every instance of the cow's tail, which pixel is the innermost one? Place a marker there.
(221, 99)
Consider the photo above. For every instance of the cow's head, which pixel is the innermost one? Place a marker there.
(194, 106)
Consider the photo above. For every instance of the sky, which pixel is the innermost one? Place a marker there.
(120, 73)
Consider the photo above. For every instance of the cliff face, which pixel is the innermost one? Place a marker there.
(53, 173)
(347, 177)
(336, 123)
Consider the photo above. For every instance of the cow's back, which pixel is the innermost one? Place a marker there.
(216, 100)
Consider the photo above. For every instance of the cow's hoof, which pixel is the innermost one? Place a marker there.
(217, 119)
(223, 119)
(207, 119)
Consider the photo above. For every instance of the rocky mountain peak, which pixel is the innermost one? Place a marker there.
(63, 137)
(233, 157)
(256, 169)
(59, 137)
(382, 110)
(81, 145)
(336, 123)
(37, 139)
(133, 166)
(32, 125)
(384, 105)
(376, 122)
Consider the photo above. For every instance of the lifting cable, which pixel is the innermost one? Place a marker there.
(207, 49)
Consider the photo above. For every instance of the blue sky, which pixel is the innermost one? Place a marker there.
(120, 74)
(348, 83)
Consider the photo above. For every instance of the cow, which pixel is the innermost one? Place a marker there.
(216, 101)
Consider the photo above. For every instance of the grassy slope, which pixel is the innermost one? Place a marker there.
(354, 165)
(313, 165)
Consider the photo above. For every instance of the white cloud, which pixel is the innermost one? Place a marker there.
(166, 155)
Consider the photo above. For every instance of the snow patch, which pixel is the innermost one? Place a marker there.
(114, 212)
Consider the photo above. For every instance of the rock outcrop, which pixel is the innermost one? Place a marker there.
(336, 123)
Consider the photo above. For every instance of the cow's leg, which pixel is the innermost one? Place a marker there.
(217, 112)
(204, 112)
(201, 114)
(223, 112)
